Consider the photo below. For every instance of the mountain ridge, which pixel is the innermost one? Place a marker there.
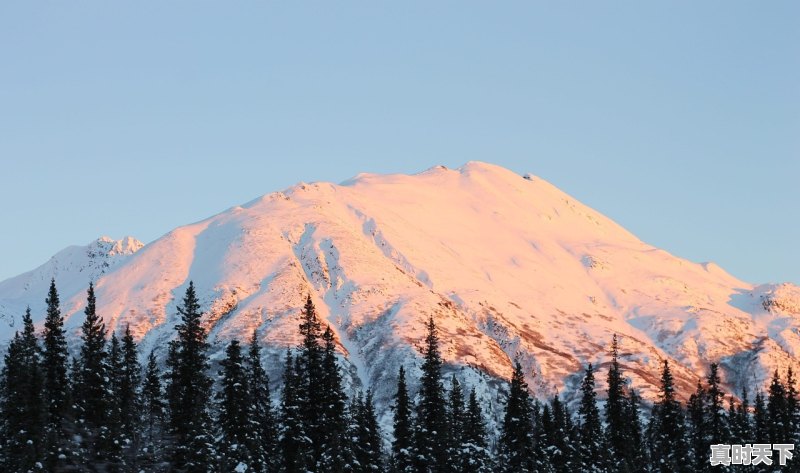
(510, 266)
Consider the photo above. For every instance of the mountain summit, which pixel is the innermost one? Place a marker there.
(509, 266)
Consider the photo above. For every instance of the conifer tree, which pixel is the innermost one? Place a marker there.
(153, 411)
(317, 433)
(335, 451)
(744, 429)
(637, 449)
(172, 391)
(776, 410)
(90, 383)
(33, 382)
(293, 441)
(698, 429)
(516, 436)
(130, 384)
(403, 441)
(455, 421)
(617, 431)
(189, 391)
(263, 435)
(354, 424)
(112, 446)
(549, 434)
(592, 450)
(541, 447)
(366, 435)
(309, 373)
(761, 427)
(559, 433)
(623, 424)
(475, 455)
(431, 429)
(669, 445)
(12, 444)
(652, 434)
(571, 435)
(92, 370)
(233, 401)
(130, 403)
(792, 421)
(373, 434)
(54, 363)
(717, 424)
(543, 422)
(733, 418)
(21, 405)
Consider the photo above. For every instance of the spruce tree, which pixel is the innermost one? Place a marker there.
(55, 389)
(153, 411)
(33, 383)
(652, 433)
(172, 393)
(475, 455)
(112, 444)
(293, 441)
(366, 435)
(572, 437)
(792, 421)
(744, 428)
(669, 445)
(189, 391)
(516, 436)
(263, 435)
(90, 383)
(402, 445)
(733, 418)
(29, 400)
(335, 452)
(22, 412)
(698, 438)
(455, 421)
(130, 404)
(130, 385)
(233, 411)
(540, 427)
(373, 437)
(761, 427)
(717, 423)
(637, 449)
(12, 420)
(559, 433)
(617, 429)
(544, 436)
(309, 374)
(592, 449)
(777, 410)
(431, 429)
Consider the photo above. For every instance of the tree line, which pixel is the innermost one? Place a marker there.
(102, 411)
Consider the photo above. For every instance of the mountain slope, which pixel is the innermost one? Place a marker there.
(509, 267)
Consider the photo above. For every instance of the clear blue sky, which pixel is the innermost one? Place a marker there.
(680, 120)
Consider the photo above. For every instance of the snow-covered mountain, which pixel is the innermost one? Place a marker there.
(508, 265)
(73, 267)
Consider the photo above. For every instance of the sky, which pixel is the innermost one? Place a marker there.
(679, 120)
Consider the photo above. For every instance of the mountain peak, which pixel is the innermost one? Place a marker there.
(107, 246)
(72, 268)
(509, 266)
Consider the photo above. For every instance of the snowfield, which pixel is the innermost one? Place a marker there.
(509, 266)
